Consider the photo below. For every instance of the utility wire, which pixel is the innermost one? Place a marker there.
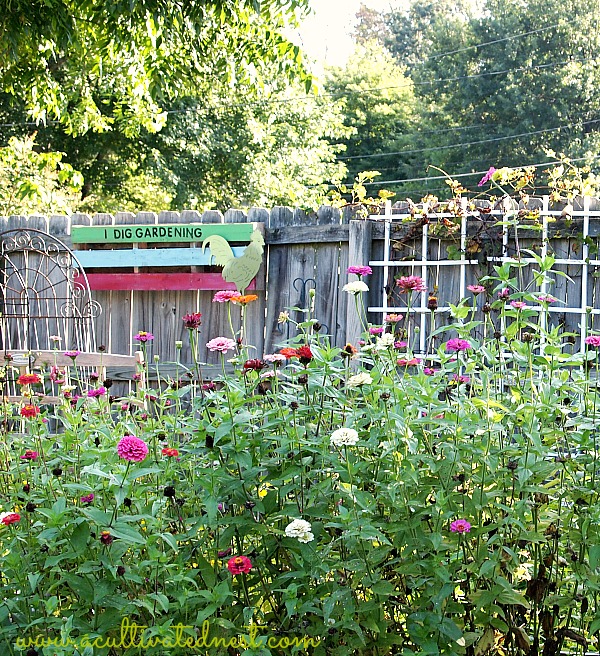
(469, 143)
(465, 175)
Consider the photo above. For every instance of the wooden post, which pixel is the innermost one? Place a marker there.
(359, 253)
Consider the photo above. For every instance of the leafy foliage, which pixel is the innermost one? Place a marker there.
(35, 183)
(97, 64)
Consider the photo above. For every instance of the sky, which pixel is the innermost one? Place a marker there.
(325, 35)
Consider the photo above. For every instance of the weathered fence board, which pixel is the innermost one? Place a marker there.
(311, 251)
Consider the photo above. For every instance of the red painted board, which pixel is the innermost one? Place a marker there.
(154, 281)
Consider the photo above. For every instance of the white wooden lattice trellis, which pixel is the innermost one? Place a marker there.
(419, 266)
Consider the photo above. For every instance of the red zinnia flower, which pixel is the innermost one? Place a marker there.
(9, 518)
(304, 354)
(170, 453)
(30, 411)
(289, 352)
(255, 364)
(239, 565)
(29, 379)
(106, 537)
(192, 320)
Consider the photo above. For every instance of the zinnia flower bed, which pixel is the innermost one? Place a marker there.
(371, 500)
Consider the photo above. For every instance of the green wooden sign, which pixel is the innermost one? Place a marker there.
(171, 232)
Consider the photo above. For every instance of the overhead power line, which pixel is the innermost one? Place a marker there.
(465, 175)
(469, 143)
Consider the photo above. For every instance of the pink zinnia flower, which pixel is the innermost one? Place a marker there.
(411, 284)
(593, 340)
(72, 354)
(405, 362)
(220, 344)
(30, 455)
(400, 345)
(239, 565)
(428, 371)
(461, 379)
(546, 299)
(518, 305)
(460, 526)
(393, 318)
(504, 294)
(143, 336)
(274, 358)
(487, 177)
(132, 448)
(225, 295)
(360, 270)
(375, 330)
(96, 392)
(476, 289)
(456, 344)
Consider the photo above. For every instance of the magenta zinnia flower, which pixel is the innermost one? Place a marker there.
(411, 284)
(220, 344)
(593, 340)
(456, 344)
(192, 320)
(360, 270)
(88, 498)
(487, 177)
(460, 526)
(143, 336)
(239, 565)
(96, 392)
(72, 354)
(132, 448)
(30, 455)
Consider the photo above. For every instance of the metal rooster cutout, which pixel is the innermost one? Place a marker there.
(238, 270)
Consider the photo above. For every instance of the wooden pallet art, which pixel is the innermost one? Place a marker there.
(160, 257)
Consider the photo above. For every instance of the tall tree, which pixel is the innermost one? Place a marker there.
(380, 107)
(503, 85)
(91, 64)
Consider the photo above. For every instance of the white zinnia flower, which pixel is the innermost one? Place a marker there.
(344, 437)
(359, 379)
(385, 341)
(301, 530)
(355, 287)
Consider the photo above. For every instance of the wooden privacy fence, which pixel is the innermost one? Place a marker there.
(305, 252)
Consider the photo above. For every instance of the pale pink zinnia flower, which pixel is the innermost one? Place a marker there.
(132, 448)
(476, 289)
(411, 284)
(225, 295)
(220, 344)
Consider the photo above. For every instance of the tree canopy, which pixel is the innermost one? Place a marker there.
(500, 84)
(92, 63)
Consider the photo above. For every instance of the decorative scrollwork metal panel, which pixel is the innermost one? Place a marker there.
(45, 295)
